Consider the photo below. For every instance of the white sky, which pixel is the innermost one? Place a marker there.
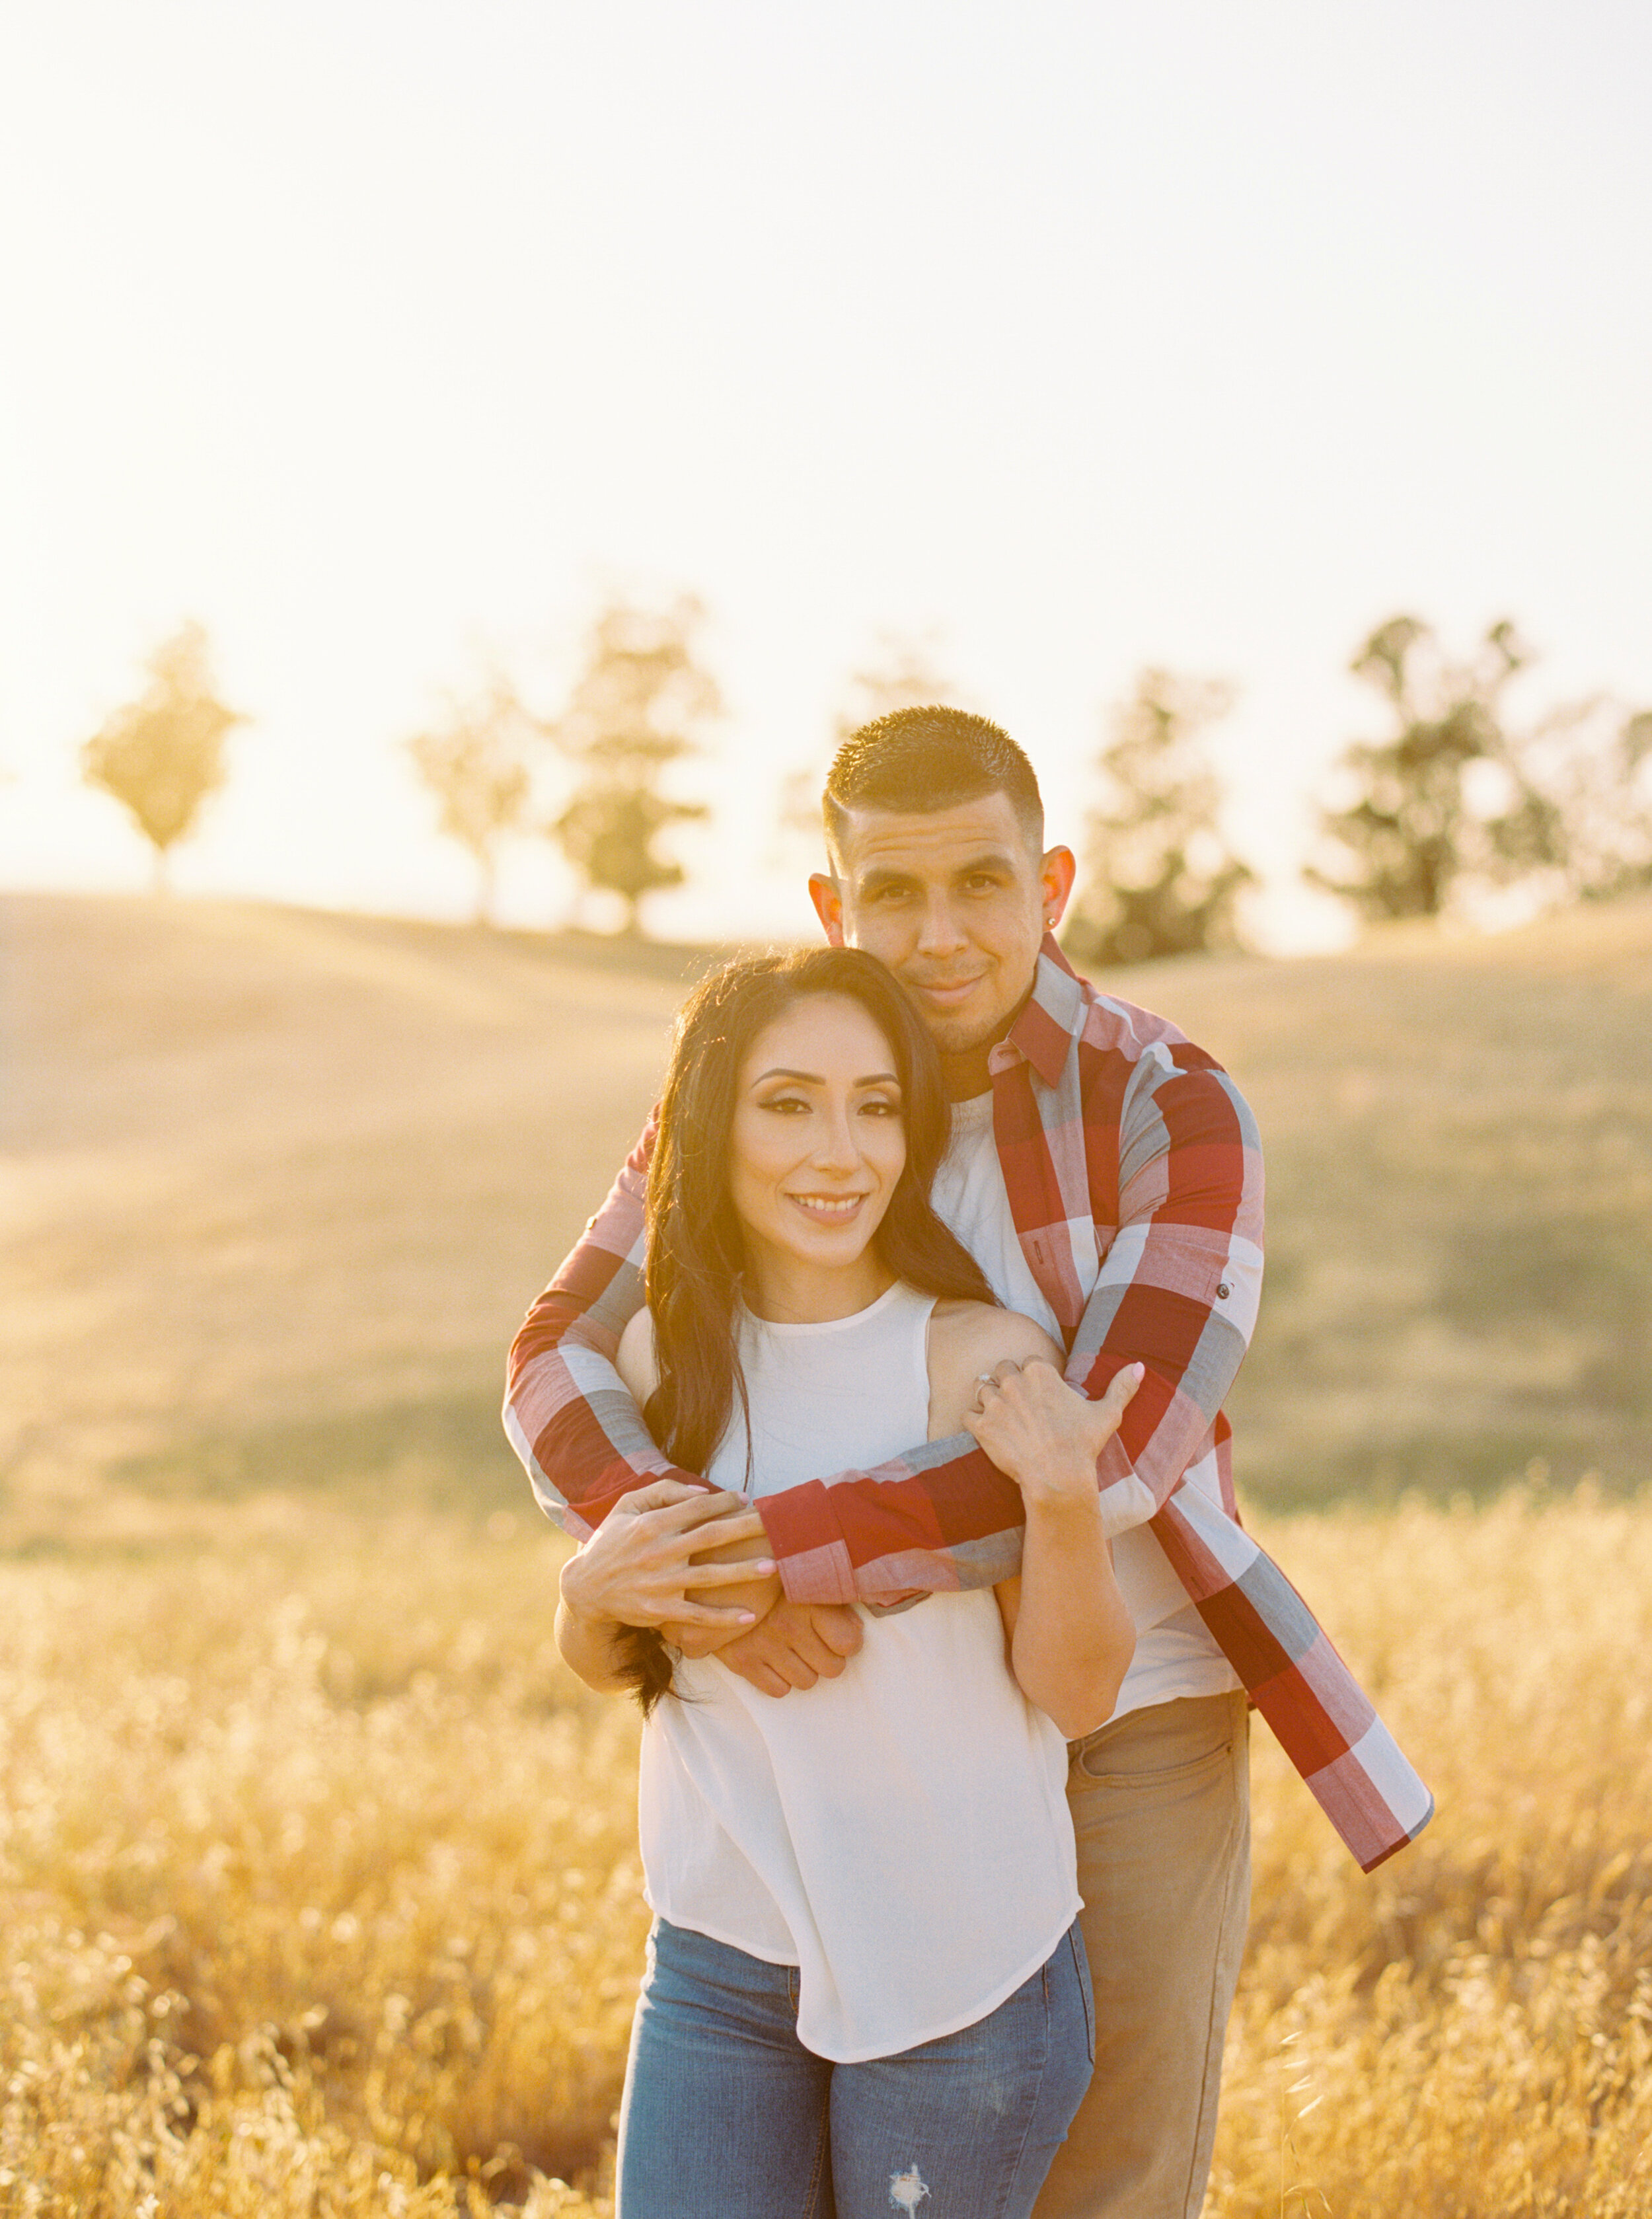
(1208, 333)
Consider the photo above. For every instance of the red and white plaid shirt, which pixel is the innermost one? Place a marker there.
(1134, 1177)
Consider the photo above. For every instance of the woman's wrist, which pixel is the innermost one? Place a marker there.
(1064, 1495)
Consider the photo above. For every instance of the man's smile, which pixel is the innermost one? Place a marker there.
(945, 991)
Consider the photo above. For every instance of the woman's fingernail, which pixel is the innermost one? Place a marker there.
(747, 1617)
(762, 1568)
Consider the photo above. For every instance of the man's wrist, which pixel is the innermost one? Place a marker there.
(806, 1544)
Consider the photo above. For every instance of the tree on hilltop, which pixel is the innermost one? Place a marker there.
(635, 712)
(474, 760)
(1160, 878)
(1595, 759)
(1458, 798)
(162, 755)
(900, 676)
(1411, 831)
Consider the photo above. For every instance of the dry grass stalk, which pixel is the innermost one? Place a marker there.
(321, 1894)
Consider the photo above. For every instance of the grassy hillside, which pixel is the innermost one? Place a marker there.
(278, 1186)
(318, 1866)
(1459, 1144)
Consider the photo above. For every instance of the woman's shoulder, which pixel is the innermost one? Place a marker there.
(966, 1338)
(977, 1335)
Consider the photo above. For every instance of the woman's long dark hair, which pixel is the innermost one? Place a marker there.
(696, 1253)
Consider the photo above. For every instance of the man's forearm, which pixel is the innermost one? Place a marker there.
(569, 1414)
(943, 1517)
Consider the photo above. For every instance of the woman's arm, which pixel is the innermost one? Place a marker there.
(1070, 1637)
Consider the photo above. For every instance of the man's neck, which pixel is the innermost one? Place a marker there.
(968, 1072)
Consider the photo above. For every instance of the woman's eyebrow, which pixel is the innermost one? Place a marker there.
(814, 1079)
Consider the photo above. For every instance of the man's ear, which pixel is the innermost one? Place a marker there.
(828, 899)
(1059, 871)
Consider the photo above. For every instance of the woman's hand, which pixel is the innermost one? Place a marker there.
(1070, 1637)
(1042, 1433)
(638, 1567)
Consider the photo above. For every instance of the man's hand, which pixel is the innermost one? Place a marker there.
(796, 1644)
(754, 1598)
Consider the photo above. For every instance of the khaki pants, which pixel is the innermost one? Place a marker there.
(1161, 1806)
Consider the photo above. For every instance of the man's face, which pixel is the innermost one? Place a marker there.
(956, 903)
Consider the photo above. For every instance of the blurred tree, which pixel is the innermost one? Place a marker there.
(1160, 877)
(632, 715)
(474, 761)
(899, 675)
(162, 755)
(1457, 801)
(1595, 760)
(1411, 830)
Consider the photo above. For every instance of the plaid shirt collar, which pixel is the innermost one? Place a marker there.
(1051, 1019)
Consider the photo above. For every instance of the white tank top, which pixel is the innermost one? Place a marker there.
(899, 1834)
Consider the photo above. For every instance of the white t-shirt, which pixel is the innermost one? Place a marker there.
(900, 1834)
(1175, 1654)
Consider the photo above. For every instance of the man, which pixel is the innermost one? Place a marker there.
(1106, 1175)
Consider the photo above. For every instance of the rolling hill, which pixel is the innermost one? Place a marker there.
(279, 1185)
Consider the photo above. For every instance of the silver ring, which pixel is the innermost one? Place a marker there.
(986, 1379)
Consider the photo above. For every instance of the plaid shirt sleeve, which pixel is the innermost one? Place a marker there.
(569, 1415)
(1179, 1285)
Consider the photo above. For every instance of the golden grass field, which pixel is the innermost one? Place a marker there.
(317, 1873)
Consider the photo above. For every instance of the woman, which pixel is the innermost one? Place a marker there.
(865, 1987)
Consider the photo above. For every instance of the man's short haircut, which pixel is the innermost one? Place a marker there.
(918, 760)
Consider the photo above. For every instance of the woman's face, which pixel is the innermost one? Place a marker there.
(818, 1142)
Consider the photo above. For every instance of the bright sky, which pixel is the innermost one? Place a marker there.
(1077, 335)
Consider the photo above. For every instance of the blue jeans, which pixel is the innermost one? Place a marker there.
(727, 2116)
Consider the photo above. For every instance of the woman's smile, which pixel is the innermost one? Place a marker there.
(835, 1209)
